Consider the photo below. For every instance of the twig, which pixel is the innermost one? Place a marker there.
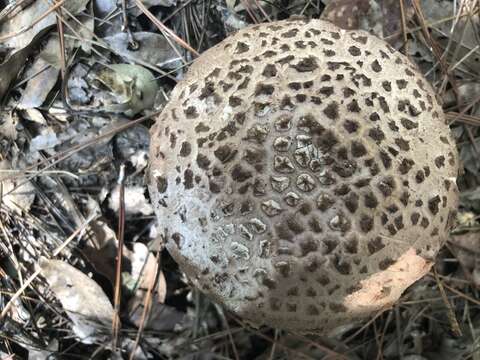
(147, 305)
(118, 268)
(404, 26)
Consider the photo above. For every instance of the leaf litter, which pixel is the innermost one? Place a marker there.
(79, 81)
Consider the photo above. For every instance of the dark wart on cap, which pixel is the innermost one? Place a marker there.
(304, 175)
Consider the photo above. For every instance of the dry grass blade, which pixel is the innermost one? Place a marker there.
(272, 350)
(62, 41)
(147, 306)
(466, 108)
(228, 331)
(118, 264)
(34, 22)
(250, 11)
(330, 354)
(404, 26)
(445, 52)
(12, 9)
(57, 251)
(365, 326)
(434, 46)
(262, 10)
(177, 10)
(453, 117)
(462, 295)
(430, 24)
(164, 28)
(450, 313)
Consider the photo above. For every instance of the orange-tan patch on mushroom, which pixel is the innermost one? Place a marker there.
(383, 289)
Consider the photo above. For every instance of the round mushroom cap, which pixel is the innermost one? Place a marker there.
(303, 175)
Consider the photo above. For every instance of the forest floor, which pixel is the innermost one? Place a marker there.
(73, 152)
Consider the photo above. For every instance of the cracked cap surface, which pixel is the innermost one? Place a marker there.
(303, 174)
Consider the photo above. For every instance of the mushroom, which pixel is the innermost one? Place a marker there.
(303, 175)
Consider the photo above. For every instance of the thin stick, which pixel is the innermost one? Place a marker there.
(147, 305)
(450, 313)
(118, 269)
(404, 26)
(250, 12)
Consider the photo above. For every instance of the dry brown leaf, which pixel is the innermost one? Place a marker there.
(43, 78)
(20, 32)
(346, 13)
(10, 67)
(34, 115)
(102, 258)
(81, 33)
(466, 248)
(153, 49)
(18, 199)
(382, 17)
(15, 29)
(82, 299)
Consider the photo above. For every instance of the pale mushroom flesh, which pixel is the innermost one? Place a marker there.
(303, 175)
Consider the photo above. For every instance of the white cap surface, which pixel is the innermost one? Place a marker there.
(303, 174)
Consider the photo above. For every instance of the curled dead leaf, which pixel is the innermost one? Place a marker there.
(82, 299)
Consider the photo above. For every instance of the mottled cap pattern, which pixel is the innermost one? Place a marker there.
(303, 175)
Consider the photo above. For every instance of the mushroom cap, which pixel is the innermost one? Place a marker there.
(304, 175)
